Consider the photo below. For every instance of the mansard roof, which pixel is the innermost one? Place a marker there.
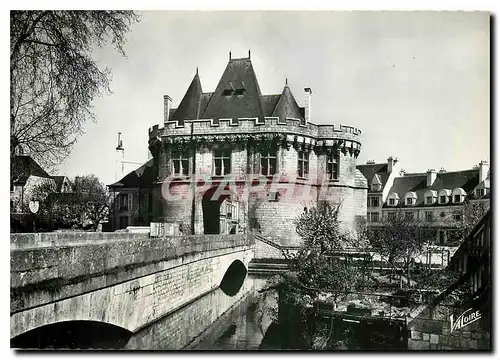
(464, 179)
(237, 95)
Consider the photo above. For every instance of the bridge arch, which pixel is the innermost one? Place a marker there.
(73, 334)
(234, 277)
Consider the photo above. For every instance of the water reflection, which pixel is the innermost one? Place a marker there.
(214, 321)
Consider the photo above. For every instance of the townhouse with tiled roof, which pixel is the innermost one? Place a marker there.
(239, 133)
(380, 178)
(133, 197)
(437, 198)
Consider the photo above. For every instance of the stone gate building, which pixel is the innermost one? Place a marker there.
(234, 160)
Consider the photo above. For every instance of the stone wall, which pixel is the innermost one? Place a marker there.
(430, 330)
(128, 283)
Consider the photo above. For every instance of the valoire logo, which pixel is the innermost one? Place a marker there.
(465, 319)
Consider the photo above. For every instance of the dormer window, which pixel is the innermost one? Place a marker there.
(393, 199)
(430, 197)
(444, 195)
(480, 192)
(411, 198)
(458, 195)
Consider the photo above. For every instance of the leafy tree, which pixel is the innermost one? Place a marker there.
(471, 212)
(85, 207)
(401, 238)
(93, 199)
(322, 268)
(53, 78)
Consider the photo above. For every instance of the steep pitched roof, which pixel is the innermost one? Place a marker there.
(226, 102)
(465, 179)
(370, 170)
(24, 167)
(269, 103)
(417, 184)
(287, 106)
(190, 104)
(143, 176)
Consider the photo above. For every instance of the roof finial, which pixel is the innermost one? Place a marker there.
(230, 55)
(286, 81)
(249, 54)
(197, 70)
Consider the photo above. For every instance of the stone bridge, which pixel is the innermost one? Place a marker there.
(125, 280)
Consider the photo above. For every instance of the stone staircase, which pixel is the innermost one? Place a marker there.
(267, 266)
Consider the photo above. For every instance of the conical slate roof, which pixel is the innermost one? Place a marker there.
(287, 106)
(189, 106)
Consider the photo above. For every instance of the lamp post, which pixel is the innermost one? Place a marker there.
(34, 206)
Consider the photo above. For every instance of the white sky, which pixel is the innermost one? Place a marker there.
(416, 83)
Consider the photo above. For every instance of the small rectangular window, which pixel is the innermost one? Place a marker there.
(391, 216)
(375, 217)
(428, 200)
(268, 163)
(429, 216)
(442, 199)
(409, 216)
(180, 163)
(375, 201)
(332, 166)
(222, 162)
(303, 164)
(457, 216)
(409, 201)
(457, 198)
(392, 201)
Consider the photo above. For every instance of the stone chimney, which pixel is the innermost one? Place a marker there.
(307, 104)
(483, 170)
(431, 177)
(391, 162)
(167, 101)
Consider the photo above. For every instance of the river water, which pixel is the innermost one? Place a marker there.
(214, 321)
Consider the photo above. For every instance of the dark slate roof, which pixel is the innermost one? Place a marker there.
(287, 106)
(369, 171)
(205, 98)
(404, 184)
(143, 176)
(189, 107)
(24, 167)
(237, 96)
(239, 74)
(269, 103)
(465, 179)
